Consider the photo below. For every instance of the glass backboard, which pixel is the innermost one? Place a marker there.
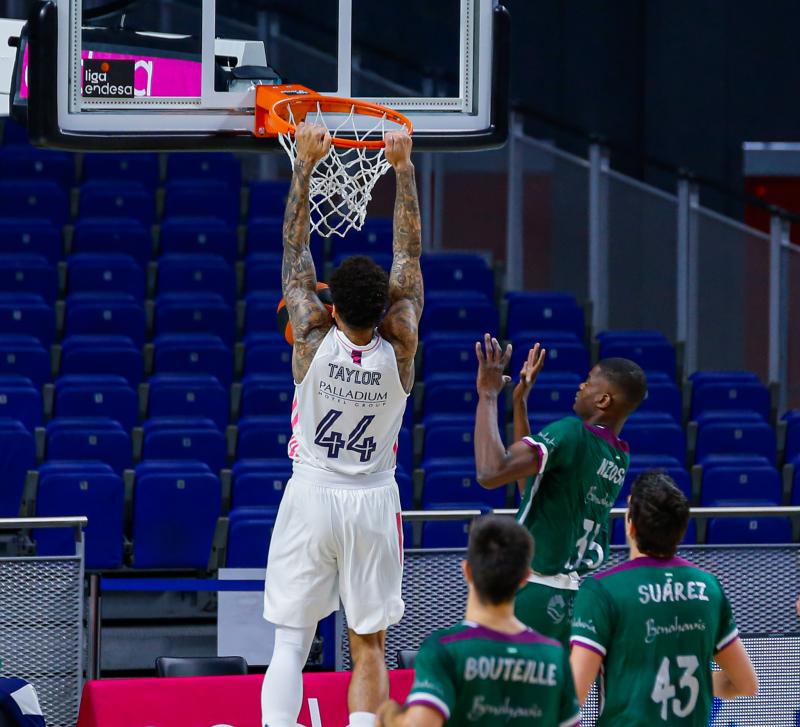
(162, 74)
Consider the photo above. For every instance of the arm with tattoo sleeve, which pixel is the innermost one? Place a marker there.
(406, 295)
(309, 318)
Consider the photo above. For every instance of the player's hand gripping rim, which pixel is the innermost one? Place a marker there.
(492, 361)
(530, 371)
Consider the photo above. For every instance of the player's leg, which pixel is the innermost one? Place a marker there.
(282, 688)
(546, 610)
(369, 683)
(370, 585)
(301, 588)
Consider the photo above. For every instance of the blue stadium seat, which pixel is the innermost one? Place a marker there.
(105, 314)
(198, 235)
(196, 274)
(262, 271)
(215, 199)
(792, 446)
(24, 356)
(795, 496)
(249, 534)
(193, 353)
(651, 355)
(28, 274)
(375, 238)
(665, 438)
(453, 353)
(268, 199)
(748, 530)
(260, 482)
(26, 314)
(728, 416)
(185, 438)
(567, 356)
(381, 259)
(618, 533)
(89, 438)
(195, 313)
(20, 399)
(98, 395)
(405, 450)
(405, 487)
(448, 533)
(450, 435)
(105, 273)
(74, 488)
(266, 353)
(267, 395)
(730, 395)
(17, 456)
(119, 167)
(265, 234)
(454, 272)
(554, 392)
(194, 166)
(699, 378)
(188, 395)
(628, 336)
(27, 163)
(459, 484)
(453, 395)
(30, 236)
(544, 312)
(116, 355)
(462, 312)
(735, 438)
(263, 437)
(663, 396)
(120, 199)
(175, 511)
(122, 235)
(42, 199)
(14, 133)
(259, 316)
(741, 483)
(674, 469)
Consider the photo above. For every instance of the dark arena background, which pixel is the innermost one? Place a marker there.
(609, 178)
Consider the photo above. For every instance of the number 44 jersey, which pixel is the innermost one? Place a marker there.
(348, 410)
(657, 624)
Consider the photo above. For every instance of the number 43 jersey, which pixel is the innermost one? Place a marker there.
(348, 410)
(657, 624)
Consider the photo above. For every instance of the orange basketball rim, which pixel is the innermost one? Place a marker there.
(280, 108)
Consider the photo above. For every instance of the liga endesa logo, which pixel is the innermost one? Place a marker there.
(108, 78)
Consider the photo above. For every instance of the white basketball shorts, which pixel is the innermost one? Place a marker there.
(336, 540)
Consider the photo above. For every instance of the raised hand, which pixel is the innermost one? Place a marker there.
(530, 370)
(491, 363)
(313, 143)
(398, 148)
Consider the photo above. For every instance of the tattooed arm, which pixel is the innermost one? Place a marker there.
(401, 323)
(309, 318)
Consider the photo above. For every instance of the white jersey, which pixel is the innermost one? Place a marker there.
(348, 410)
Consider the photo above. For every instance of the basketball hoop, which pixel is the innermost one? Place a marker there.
(342, 182)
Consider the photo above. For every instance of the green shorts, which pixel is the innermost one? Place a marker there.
(546, 610)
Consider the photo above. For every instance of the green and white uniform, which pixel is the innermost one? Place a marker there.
(474, 675)
(657, 624)
(565, 508)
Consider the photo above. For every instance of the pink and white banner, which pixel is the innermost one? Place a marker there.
(149, 76)
(216, 701)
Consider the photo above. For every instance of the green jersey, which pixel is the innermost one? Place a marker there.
(475, 675)
(566, 506)
(657, 624)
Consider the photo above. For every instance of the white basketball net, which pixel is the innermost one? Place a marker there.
(342, 182)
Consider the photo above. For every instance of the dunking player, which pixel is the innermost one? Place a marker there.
(338, 533)
(654, 624)
(490, 669)
(572, 472)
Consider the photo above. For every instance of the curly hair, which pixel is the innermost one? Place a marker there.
(360, 292)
